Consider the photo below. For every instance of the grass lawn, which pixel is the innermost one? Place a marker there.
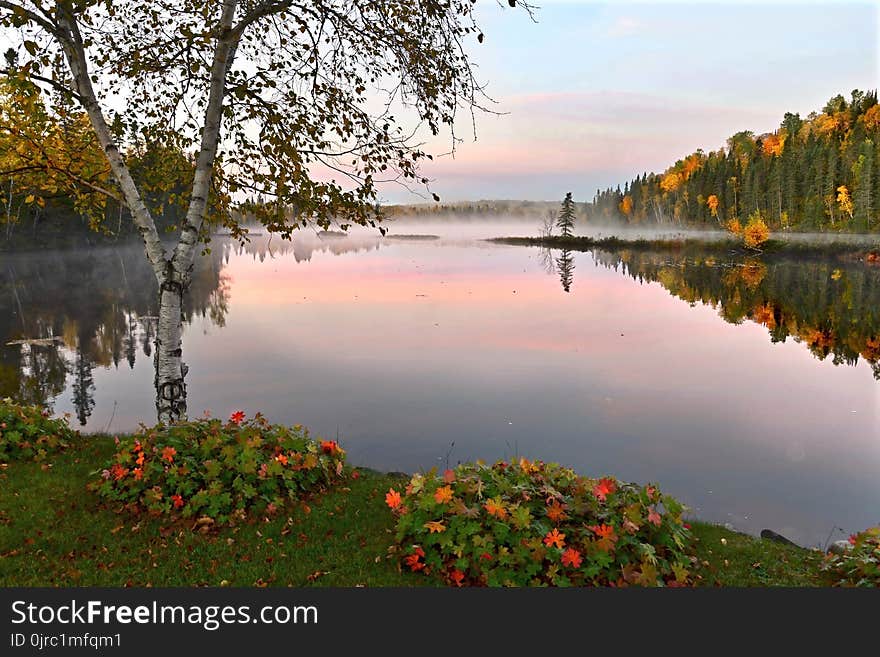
(54, 532)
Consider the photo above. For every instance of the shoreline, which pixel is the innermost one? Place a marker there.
(864, 251)
(54, 532)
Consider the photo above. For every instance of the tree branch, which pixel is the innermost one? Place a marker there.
(74, 51)
(224, 54)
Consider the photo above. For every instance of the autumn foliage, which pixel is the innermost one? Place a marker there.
(756, 231)
(27, 433)
(774, 144)
(712, 203)
(844, 200)
(860, 565)
(220, 472)
(754, 234)
(529, 524)
(790, 174)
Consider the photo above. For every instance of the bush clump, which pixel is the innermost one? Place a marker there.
(221, 472)
(858, 566)
(537, 524)
(756, 231)
(27, 433)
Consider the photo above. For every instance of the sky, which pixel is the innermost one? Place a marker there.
(595, 93)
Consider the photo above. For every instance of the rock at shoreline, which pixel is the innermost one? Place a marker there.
(771, 535)
(840, 547)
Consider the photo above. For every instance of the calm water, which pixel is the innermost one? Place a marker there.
(748, 389)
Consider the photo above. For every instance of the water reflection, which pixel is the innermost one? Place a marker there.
(405, 347)
(565, 267)
(65, 313)
(830, 306)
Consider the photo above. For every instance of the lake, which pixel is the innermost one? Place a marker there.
(746, 387)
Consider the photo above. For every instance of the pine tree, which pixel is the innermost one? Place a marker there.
(863, 171)
(565, 223)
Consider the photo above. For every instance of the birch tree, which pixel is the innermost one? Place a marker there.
(311, 104)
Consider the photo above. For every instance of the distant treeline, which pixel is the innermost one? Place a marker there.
(530, 210)
(815, 173)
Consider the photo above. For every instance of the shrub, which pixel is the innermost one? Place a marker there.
(222, 471)
(859, 566)
(27, 433)
(756, 231)
(734, 227)
(531, 523)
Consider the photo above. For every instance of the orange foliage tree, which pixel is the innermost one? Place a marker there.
(712, 202)
(871, 118)
(773, 145)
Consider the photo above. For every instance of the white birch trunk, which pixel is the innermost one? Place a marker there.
(172, 273)
(170, 369)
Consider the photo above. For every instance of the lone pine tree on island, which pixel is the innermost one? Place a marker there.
(565, 222)
(273, 98)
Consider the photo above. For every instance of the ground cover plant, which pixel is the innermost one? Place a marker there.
(29, 433)
(533, 523)
(219, 472)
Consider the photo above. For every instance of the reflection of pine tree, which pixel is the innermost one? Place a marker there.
(565, 222)
(565, 267)
(148, 336)
(129, 342)
(83, 387)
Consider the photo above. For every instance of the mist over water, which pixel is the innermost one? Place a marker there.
(746, 389)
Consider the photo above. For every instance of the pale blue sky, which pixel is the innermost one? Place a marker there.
(596, 93)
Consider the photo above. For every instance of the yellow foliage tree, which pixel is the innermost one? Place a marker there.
(735, 227)
(671, 181)
(844, 200)
(626, 205)
(829, 123)
(50, 156)
(756, 231)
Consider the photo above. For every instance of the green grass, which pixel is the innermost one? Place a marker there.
(728, 558)
(54, 532)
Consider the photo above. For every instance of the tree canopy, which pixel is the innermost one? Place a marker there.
(813, 173)
(311, 105)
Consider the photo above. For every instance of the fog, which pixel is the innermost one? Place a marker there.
(458, 230)
(468, 228)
